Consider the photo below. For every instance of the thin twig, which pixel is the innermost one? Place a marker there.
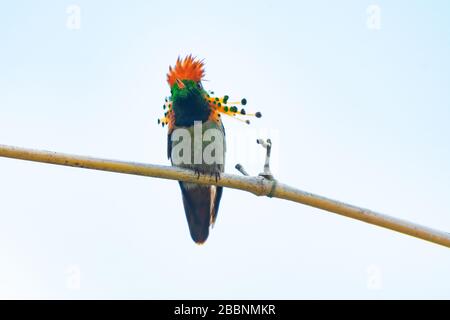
(239, 167)
(268, 146)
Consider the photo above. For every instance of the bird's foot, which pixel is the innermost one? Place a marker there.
(197, 172)
(216, 172)
(216, 175)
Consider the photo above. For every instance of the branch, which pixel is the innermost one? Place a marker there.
(259, 185)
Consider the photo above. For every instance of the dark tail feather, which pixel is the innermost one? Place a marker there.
(197, 206)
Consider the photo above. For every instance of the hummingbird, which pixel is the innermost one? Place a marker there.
(196, 139)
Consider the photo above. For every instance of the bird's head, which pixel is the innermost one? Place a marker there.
(187, 93)
(189, 102)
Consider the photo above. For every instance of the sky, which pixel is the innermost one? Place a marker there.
(354, 95)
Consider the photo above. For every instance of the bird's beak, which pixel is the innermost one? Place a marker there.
(180, 84)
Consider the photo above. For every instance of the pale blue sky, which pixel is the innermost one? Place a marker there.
(356, 114)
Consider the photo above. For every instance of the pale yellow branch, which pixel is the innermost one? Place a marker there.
(256, 185)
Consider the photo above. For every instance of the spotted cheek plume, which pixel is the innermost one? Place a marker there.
(221, 106)
(169, 115)
(191, 68)
(218, 107)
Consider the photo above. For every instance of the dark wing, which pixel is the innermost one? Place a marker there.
(219, 190)
(216, 204)
(169, 145)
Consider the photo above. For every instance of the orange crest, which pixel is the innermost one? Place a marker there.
(187, 69)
